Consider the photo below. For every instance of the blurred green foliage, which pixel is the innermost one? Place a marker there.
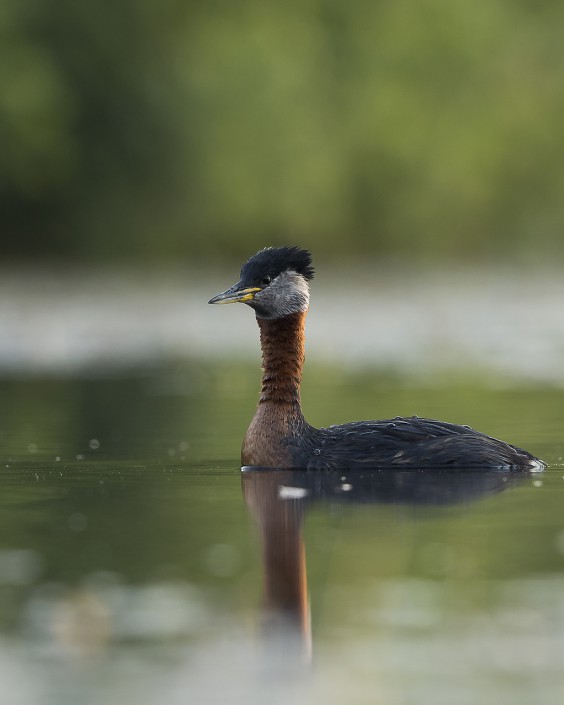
(176, 129)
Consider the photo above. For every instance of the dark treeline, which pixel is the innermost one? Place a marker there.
(168, 129)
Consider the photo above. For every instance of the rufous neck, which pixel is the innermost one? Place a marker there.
(282, 342)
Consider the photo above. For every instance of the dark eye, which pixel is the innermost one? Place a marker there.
(265, 281)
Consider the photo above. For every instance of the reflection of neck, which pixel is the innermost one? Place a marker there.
(282, 344)
(285, 581)
(285, 601)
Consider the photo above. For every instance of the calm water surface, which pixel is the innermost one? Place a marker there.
(137, 562)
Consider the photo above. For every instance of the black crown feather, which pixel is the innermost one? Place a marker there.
(272, 261)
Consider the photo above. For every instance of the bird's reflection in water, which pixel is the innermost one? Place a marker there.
(278, 500)
(278, 503)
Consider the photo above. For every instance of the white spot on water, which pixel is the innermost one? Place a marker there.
(285, 492)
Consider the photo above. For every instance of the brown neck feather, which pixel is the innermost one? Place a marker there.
(282, 341)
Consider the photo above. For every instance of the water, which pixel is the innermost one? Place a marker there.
(137, 563)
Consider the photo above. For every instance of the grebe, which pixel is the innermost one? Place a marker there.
(274, 282)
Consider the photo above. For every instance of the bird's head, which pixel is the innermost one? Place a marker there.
(274, 282)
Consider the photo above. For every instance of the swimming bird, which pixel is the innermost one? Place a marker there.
(275, 283)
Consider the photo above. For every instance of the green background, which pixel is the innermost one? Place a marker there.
(142, 130)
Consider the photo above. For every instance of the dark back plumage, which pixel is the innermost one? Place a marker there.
(272, 261)
(412, 442)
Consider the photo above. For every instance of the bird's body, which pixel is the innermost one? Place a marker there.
(274, 283)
